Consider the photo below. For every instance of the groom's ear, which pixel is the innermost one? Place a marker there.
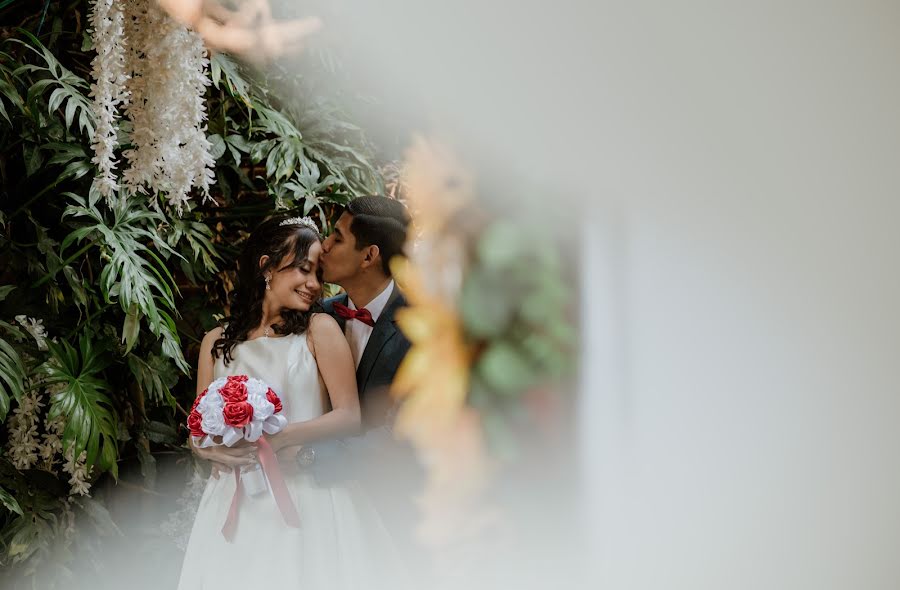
(372, 256)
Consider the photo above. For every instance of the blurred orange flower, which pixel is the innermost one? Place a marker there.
(434, 376)
(437, 184)
(433, 380)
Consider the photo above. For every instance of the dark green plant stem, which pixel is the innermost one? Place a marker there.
(65, 263)
(43, 16)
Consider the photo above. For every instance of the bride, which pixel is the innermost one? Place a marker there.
(274, 334)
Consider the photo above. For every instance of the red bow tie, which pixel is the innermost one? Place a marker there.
(362, 314)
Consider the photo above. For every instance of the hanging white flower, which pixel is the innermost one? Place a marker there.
(108, 90)
(158, 70)
(169, 76)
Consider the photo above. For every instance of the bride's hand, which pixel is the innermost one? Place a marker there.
(226, 458)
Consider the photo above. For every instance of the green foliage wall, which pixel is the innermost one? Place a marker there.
(102, 306)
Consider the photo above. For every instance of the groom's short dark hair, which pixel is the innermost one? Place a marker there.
(382, 222)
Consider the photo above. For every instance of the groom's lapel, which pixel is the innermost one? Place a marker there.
(383, 330)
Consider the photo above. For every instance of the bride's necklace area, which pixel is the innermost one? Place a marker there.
(268, 331)
(269, 321)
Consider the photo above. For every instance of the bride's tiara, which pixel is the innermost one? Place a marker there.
(304, 221)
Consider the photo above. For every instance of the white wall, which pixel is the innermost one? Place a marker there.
(742, 395)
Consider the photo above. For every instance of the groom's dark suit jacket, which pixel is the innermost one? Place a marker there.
(388, 468)
(383, 353)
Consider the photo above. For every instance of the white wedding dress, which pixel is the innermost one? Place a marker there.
(341, 542)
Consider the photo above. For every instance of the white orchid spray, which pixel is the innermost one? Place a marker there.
(77, 469)
(166, 75)
(109, 88)
(35, 327)
(52, 448)
(23, 446)
(28, 448)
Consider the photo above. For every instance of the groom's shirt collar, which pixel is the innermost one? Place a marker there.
(358, 333)
(377, 305)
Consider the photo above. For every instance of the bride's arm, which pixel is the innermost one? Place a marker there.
(336, 367)
(223, 458)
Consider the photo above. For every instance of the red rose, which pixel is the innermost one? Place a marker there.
(239, 378)
(197, 401)
(234, 390)
(193, 422)
(237, 414)
(274, 400)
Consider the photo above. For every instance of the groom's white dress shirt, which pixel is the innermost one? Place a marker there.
(358, 333)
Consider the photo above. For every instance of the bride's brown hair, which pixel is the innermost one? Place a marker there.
(278, 242)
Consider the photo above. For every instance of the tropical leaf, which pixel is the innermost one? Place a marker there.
(198, 239)
(81, 396)
(10, 502)
(9, 91)
(307, 186)
(66, 95)
(12, 377)
(156, 378)
(99, 516)
(159, 432)
(274, 122)
(237, 145)
(134, 275)
(222, 68)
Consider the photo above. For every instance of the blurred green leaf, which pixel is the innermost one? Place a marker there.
(500, 244)
(99, 515)
(486, 307)
(148, 463)
(505, 369)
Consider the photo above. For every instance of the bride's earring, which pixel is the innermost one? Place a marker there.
(268, 287)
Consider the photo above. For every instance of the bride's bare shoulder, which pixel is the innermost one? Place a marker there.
(323, 322)
(211, 337)
(323, 329)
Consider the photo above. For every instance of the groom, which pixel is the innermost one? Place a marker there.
(370, 232)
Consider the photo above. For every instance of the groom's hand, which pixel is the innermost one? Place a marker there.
(288, 454)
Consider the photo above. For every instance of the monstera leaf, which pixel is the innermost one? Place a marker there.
(80, 395)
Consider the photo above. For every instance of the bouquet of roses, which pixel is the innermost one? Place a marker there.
(236, 408)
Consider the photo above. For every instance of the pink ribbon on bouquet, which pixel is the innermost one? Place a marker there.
(279, 489)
